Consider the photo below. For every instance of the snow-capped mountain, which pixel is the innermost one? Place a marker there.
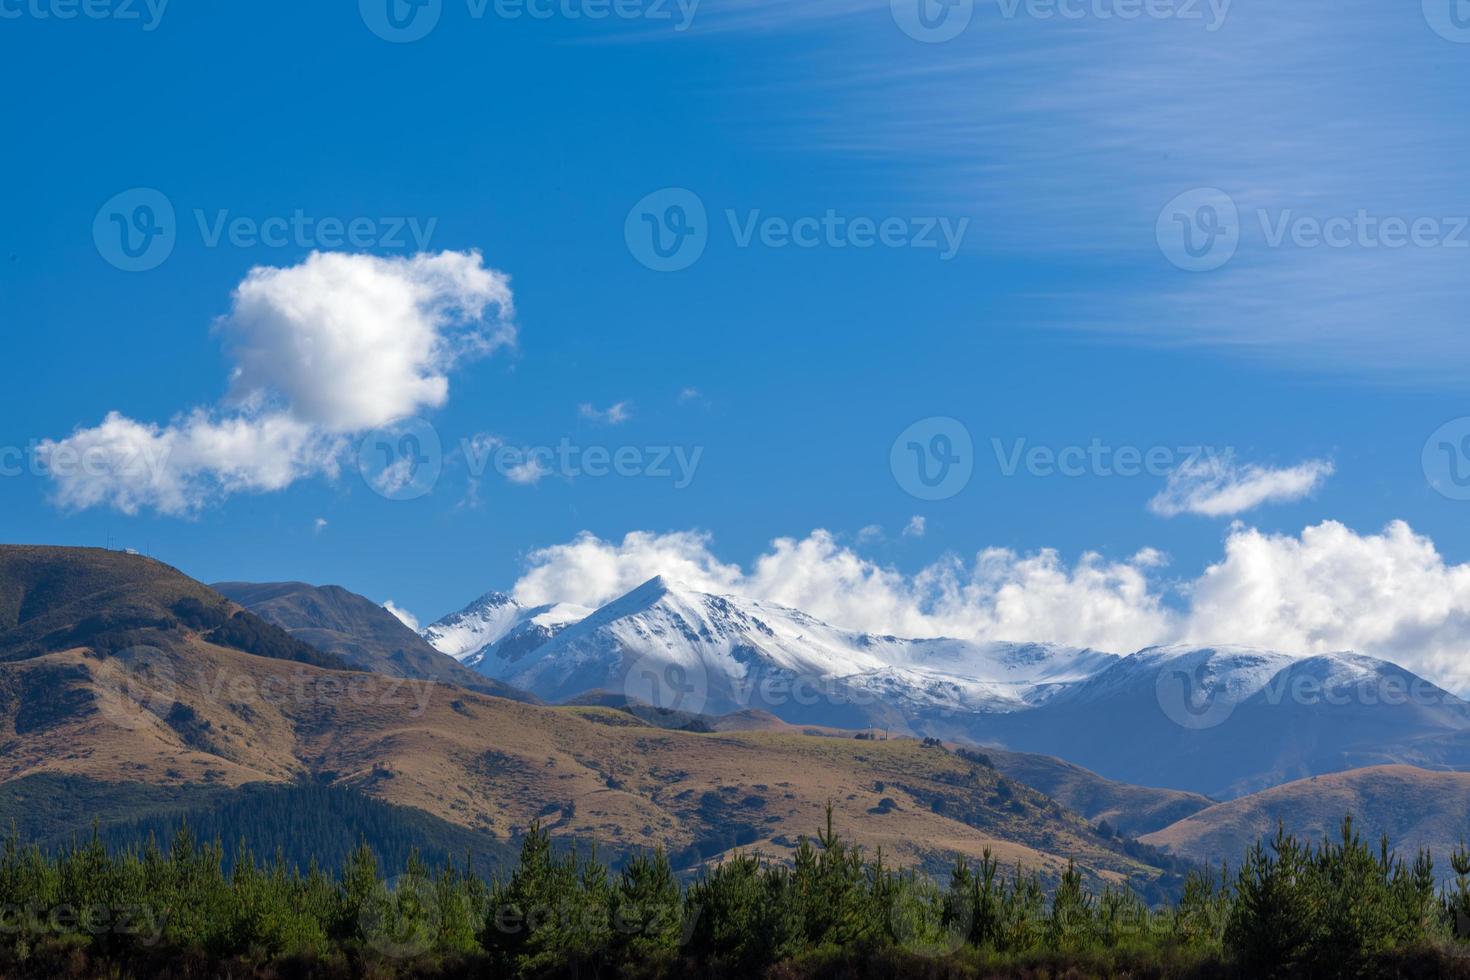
(1221, 720)
(496, 619)
(673, 646)
(1229, 720)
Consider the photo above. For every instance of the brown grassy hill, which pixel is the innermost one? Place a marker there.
(364, 634)
(204, 714)
(172, 706)
(55, 599)
(1415, 807)
(1131, 810)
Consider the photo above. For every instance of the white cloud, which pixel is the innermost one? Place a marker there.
(404, 616)
(319, 525)
(1390, 595)
(1002, 595)
(1216, 486)
(916, 527)
(323, 350)
(350, 342)
(528, 472)
(614, 414)
(176, 468)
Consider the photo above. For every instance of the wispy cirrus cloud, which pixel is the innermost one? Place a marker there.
(615, 414)
(1218, 486)
(1065, 136)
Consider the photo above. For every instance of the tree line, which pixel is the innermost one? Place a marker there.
(1341, 907)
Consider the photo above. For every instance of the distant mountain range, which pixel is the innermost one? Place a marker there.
(132, 695)
(1216, 721)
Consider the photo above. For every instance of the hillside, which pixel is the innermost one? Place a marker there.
(192, 712)
(493, 765)
(54, 599)
(359, 631)
(1414, 807)
(1131, 810)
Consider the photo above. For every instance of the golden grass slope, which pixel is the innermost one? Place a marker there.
(198, 713)
(1416, 808)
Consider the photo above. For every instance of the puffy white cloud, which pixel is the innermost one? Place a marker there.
(323, 350)
(350, 342)
(1002, 595)
(1216, 486)
(177, 468)
(1390, 594)
(404, 616)
(590, 571)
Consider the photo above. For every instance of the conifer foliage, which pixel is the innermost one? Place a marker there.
(1340, 908)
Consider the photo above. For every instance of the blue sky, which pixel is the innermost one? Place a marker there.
(1055, 144)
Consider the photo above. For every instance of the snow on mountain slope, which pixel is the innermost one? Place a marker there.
(1219, 720)
(468, 634)
(475, 626)
(1228, 720)
(664, 642)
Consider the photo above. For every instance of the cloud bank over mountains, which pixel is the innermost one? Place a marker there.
(323, 351)
(1390, 594)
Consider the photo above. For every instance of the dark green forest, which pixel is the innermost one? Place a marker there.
(1337, 908)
